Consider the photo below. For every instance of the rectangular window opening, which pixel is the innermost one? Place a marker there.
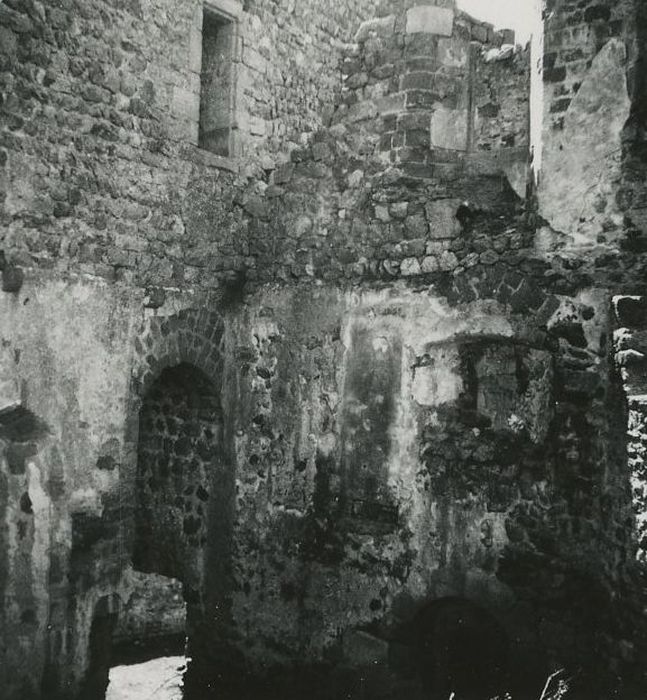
(216, 83)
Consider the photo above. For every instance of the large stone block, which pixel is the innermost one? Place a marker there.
(631, 311)
(441, 216)
(363, 649)
(428, 19)
(449, 129)
(436, 382)
(186, 104)
(391, 104)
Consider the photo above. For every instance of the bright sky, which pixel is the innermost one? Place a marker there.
(520, 15)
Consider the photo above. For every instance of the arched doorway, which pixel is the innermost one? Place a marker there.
(180, 435)
(179, 453)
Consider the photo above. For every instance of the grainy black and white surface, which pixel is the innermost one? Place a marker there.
(299, 360)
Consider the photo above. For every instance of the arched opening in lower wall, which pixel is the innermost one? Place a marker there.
(180, 439)
(458, 649)
(180, 426)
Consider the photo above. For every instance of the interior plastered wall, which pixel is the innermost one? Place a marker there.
(68, 349)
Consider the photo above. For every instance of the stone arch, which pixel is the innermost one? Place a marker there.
(192, 340)
(181, 357)
(180, 435)
(193, 336)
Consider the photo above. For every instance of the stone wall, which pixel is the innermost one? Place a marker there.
(593, 148)
(100, 167)
(592, 138)
(419, 396)
(323, 540)
(574, 35)
(438, 506)
(96, 163)
(154, 614)
(101, 176)
(60, 472)
(377, 195)
(629, 344)
(632, 193)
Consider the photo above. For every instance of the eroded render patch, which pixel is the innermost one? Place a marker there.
(582, 161)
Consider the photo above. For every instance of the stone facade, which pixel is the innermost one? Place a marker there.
(352, 384)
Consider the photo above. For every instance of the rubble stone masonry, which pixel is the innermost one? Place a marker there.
(365, 390)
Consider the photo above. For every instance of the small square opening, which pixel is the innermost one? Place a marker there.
(216, 83)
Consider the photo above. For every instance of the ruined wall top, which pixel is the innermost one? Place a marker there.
(387, 7)
(437, 87)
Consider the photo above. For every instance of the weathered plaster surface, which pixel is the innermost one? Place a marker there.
(582, 159)
(417, 399)
(393, 326)
(71, 348)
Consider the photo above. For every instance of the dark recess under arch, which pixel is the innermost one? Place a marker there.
(180, 425)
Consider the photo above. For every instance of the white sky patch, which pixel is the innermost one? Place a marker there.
(520, 15)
